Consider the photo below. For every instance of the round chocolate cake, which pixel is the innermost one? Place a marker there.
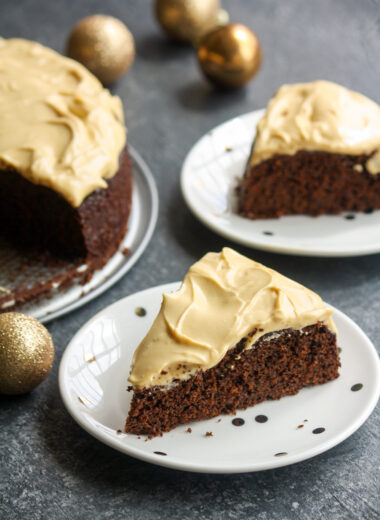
(65, 172)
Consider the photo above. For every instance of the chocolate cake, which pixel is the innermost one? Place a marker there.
(316, 151)
(65, 172)
(235, 334)
(37, 216)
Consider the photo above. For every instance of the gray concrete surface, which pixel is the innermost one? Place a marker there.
(51, 468)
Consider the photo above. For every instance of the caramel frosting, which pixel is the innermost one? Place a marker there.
(223, 298)
(59, 127)
(319, 116)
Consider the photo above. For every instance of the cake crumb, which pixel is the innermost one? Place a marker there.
(218, 420)
(189, 430)
(228, 148)
(300, 426)
(126, 251)
(119, 431)
(208, 434)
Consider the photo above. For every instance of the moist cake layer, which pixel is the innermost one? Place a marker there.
(277, 365)
(308, 183)
(37, 216)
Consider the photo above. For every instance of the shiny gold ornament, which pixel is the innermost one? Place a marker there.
(26, 353)
(104, 45)
(230, 56)
(187, 20)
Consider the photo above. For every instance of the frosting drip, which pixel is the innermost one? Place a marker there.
(59, 127)
(319, 116)
(223, 298)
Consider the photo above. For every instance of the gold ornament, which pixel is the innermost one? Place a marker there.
(187, 20)
(229, 56)
(104, 45)
(26, 353)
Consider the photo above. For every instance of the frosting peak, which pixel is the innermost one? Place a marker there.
(319, 116)
(59, 127)
(223, 298)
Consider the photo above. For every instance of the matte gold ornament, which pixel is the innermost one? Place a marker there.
(187, 20)
(229, 56)
(26, 353)
(104, 45)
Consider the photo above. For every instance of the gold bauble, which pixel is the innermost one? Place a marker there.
(229, 56)
(104, 45)
(26, 353)
(187, 20)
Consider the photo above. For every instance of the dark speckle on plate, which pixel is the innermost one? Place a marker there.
(261, 418)
(140, 311)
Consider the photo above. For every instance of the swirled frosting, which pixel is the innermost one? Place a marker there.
(223, 298)
(319, 116)
(58, 127)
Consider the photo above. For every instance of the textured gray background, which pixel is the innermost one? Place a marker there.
(51, 468)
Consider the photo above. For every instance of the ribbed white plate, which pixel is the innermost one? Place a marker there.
(210, 174)
(93, 380)
(141, 224)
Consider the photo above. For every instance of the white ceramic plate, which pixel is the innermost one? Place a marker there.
(93, 380)
(209, 177)
(141, 224)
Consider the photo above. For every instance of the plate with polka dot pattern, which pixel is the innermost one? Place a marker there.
(93, 384)
(209, 178)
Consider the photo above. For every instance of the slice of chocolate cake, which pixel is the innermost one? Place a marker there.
(235, 334)
(316, 151)
(65, 172)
